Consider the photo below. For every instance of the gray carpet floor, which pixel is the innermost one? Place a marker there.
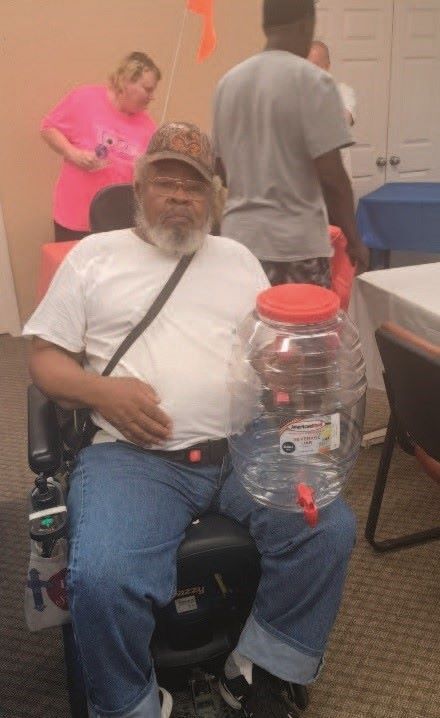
(383, 660)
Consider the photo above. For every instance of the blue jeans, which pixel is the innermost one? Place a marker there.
(128, 511)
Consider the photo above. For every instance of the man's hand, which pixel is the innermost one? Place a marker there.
(359, 256)
(84, 159)
(129, 404)
(338, 195)
(132, 407)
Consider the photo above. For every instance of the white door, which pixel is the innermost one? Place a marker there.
(359, 35)
(9, 319)
(414, 127)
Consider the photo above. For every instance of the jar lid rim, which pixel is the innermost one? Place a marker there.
(298, 303)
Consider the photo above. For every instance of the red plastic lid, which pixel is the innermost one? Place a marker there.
(298, 303)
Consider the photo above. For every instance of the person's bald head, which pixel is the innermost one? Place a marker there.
(320, 55)
(289, 25)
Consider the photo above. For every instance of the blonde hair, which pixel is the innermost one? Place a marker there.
(131, 69)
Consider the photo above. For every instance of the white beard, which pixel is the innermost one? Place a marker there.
(174, 241)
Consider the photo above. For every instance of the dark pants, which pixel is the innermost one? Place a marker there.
(306, 271)
(63, 234)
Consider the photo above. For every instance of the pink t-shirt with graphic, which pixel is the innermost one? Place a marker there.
(88, 119)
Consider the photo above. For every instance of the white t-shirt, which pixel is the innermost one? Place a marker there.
(274, 114)
(349, 101)
(103, 289)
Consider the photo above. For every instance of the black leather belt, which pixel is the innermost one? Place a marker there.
(204, 454)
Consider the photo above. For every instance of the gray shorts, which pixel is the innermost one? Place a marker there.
(306, 271)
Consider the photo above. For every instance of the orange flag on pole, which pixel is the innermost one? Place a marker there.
(208, 40)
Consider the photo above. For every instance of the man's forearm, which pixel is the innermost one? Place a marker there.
(340, 206)
(62, 379)
(338, 196)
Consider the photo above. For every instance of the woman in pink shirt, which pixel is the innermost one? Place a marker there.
(99, 131)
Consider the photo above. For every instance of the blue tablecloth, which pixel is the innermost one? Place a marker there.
(401, 216)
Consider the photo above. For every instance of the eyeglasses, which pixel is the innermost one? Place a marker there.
(169, 186)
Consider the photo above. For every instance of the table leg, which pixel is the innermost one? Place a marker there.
(379, 259)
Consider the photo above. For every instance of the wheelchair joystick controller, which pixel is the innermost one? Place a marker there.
(48, 515)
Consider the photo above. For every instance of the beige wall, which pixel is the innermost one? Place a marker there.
(48, 46)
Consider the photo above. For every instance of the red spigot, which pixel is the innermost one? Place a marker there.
(306, 499)
(281, 398)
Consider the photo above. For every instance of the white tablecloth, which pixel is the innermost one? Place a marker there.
(409, 296)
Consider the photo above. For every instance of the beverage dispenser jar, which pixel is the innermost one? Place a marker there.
(297, 386)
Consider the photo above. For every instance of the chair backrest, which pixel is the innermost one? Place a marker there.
(412, 378)
(112, 207)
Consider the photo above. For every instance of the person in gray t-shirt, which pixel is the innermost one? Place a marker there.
(278, 129)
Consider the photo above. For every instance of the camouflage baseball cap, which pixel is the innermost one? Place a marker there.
(184, 142)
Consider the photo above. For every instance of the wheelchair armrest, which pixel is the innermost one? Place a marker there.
(44, 436)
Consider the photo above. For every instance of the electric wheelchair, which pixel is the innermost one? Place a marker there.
(218, 564)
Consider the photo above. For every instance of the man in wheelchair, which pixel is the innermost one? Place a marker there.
(159, 456)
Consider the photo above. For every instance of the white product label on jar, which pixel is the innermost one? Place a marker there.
(319, 434)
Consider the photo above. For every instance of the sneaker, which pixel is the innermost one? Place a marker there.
(266, 697)
(166, 703)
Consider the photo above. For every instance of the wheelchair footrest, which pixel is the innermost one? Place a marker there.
(203, 696)
(201, 699)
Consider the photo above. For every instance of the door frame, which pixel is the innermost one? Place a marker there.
(10, 322)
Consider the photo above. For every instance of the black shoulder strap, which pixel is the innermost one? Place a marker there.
(152, 313)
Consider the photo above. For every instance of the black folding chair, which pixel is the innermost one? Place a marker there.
(113, 207)
(412, 380)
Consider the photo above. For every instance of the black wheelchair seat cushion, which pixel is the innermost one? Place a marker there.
(213, 537)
